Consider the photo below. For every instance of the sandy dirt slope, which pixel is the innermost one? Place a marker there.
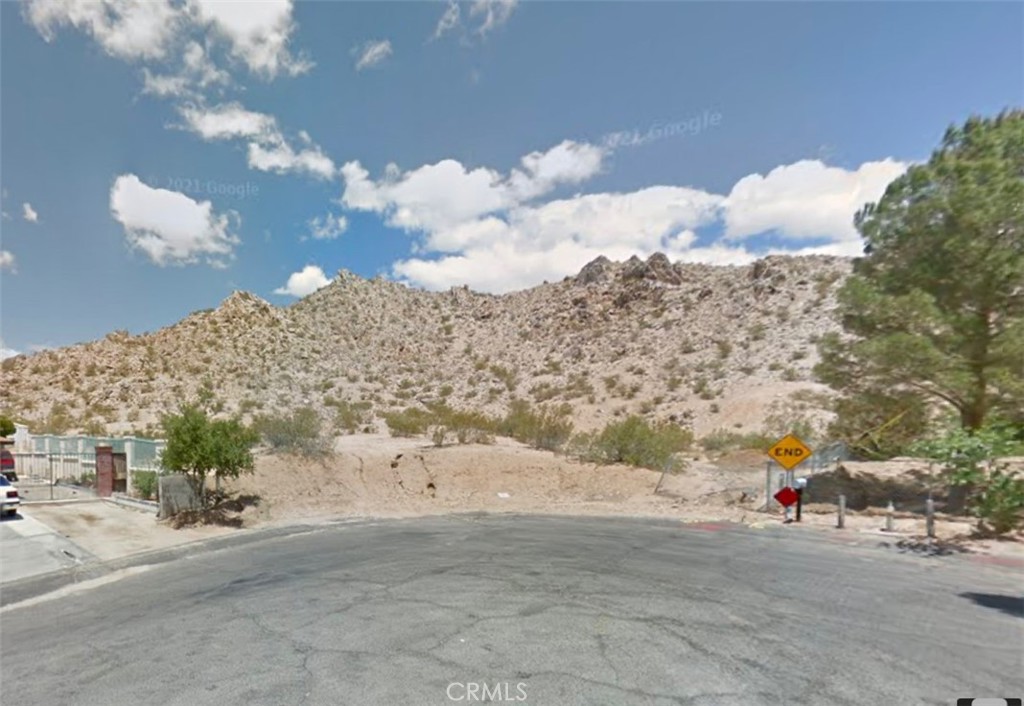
(380, 476)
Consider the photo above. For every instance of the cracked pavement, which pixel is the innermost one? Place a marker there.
(577, 610)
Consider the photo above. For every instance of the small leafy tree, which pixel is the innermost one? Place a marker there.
(970, 458)
(6, 426)
(196, 446)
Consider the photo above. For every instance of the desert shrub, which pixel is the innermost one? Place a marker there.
(145, 484)
(725, 440)
(411, 421)
(58, 421)
(635, 442)
(995, 494)
(577, 386)
(93, 427)
(299, 432)
(350, 416)
(544, 428)
(544, 391)
(506, 376)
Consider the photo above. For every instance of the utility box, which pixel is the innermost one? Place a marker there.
(104, 471)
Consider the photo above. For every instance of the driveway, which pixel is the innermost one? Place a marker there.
(558, 611)
(28, 547)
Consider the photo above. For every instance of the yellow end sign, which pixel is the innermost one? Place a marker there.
(789, 452)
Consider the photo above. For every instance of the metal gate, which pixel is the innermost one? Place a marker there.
(55, 476)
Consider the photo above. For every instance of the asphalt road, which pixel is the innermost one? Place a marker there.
(544, 610)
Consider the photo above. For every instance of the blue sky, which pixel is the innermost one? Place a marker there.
(158, 154)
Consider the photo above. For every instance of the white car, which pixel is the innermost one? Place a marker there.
(9, 498)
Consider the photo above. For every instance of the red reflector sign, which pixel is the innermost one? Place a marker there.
(786, 496)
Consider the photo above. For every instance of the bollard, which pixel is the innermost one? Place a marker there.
(929, 521)
(889, 510)
(842, 512)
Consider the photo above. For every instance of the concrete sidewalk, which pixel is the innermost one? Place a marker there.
(29, 547)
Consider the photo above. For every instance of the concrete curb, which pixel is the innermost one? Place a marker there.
(65, 501)
(134, 503)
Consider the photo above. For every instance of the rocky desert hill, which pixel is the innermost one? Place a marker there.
(707, 346)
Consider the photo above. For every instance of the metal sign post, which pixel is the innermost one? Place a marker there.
(789, 452)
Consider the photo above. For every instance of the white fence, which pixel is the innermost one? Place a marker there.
(41, 467)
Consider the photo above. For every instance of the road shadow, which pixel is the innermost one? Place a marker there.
(923, 546)
(225, 510)
(1011, 605)
(11, 518)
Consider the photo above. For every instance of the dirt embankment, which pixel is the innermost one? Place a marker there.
(382, 476)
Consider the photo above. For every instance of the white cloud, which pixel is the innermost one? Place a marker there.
(327, 227)
(495, 13)
(280, 158)
(566, 163)
(490, 13)
(371, 53)
(201, 68)
(806, 199)
(7, 262)
(169, 227)
(164, 86)
(268, 150)
(492, 232)
(257, 33)
(197, 71)
(126, 29)
(6, 352)
(534, 243)
(29, 213)
(227, 121)
(304, 282)
(444, 195)
(449, 20)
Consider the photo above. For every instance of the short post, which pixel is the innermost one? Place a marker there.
(929, 518)
(889, 510)
(800, 484)
(768, 487)
(842, 512)
(49, 458)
